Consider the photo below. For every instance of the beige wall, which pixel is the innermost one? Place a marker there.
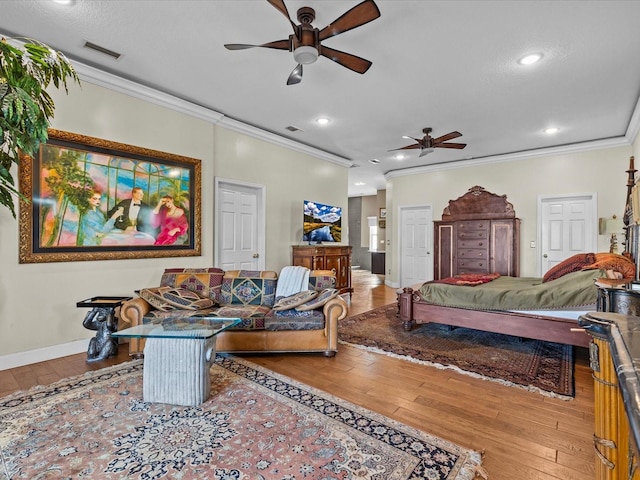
(601, 171)
(290, 177)
(38, 316)
(371, 205)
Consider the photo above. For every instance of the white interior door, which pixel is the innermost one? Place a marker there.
(416, 245)
(568, 225)
(239, 226)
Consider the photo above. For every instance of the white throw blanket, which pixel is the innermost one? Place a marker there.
(292, 280)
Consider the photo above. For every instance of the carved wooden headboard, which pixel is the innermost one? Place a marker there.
(478, 203)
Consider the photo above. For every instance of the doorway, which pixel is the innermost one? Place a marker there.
(416, 244)
(567, 224)
(239, 226)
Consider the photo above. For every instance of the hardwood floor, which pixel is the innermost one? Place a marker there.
(523, 435)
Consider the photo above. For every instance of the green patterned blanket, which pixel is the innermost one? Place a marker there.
(518, 293)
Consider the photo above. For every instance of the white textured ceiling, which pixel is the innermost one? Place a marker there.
(449, 65)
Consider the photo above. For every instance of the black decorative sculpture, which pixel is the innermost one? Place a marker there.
(103, 345)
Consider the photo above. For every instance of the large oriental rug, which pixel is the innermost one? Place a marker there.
(538, 366)
(256, 425)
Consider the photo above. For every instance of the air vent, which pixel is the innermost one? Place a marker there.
(291, 128)
(100, 49)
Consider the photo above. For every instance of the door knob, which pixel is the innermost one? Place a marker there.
(544, 256)
(256, 255)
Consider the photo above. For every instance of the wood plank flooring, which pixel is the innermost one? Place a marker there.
(523, 435)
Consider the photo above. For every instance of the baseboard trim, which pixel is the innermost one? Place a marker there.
(43, 354)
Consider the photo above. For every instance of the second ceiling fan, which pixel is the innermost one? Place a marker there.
(306, 40)
(426, 144)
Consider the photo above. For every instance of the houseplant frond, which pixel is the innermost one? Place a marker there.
(26, 109)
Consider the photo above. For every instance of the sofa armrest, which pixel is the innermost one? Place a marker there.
(134, 310)
(334, 310)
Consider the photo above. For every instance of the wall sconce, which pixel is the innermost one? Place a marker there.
(611, 226)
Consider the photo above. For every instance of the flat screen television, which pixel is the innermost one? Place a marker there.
(322, 223)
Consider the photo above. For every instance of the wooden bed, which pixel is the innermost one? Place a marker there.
(414, 310)
(552, 329)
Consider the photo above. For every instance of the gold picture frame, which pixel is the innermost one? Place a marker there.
(79, 202)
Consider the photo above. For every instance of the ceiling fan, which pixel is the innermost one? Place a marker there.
(427, 144)
(306, 40)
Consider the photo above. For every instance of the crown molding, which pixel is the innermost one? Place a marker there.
(255, 132)
(511, 157)
(107, 80)
(634, 124)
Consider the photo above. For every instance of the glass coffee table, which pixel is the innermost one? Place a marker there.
(177, 356)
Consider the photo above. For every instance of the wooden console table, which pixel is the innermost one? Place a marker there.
(326, 257)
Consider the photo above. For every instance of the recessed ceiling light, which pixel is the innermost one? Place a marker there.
(65, 2)
(399, 156)
(530, 59)
(551, 130)
(375, 161)
(359, 184)
(323, 121)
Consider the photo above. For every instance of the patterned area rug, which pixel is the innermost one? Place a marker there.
(538, 366)
(257, 424)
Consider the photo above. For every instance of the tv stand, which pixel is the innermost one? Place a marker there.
(326, 257)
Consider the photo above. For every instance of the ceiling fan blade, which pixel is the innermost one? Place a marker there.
(448, 136)
(352, 62)
(295, 76)
(450, 145)
(359, 15)
(278, 45)
(409, 147)
(282, 8)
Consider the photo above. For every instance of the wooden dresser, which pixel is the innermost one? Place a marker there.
(478, 233)
(326, 257)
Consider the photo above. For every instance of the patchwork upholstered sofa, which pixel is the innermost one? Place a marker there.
(306, 322)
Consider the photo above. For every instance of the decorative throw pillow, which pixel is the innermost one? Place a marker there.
(613, 261)
(571, 264)
(248, 290)
(169, 298)
(292, 301)
(321, 279)
(205, 282)
(326, 295)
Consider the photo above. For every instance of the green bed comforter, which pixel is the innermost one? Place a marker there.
(518, 293)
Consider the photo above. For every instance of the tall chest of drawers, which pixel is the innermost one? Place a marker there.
(481, 237)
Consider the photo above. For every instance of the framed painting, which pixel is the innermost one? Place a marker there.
(383, 213)
(91, 199)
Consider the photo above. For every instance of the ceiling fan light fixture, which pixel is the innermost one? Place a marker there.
(305, 55)
(428, 150)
